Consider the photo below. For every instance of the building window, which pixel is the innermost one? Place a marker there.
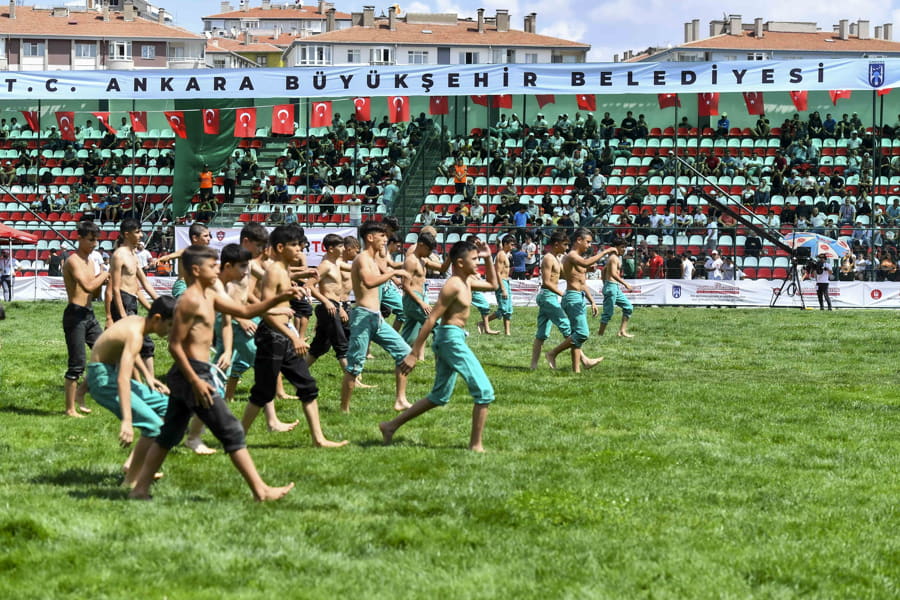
(262, 60)
(85, 50)
(254, 24)
(381, 56)
(120, 50)
(314, 55)
(569, 58)
(756, 56)
(32, 48)
(176, 52)
(148, 52)
(354, 56)
(531, 57)
(418, 57)
(219, 63)
(468, 58)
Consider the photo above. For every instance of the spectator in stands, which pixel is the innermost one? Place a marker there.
(540, 126)
(628, 127)
(723, 125)
(752, 244)
(893, 212)
(428, 216)
(843, 128)
(281, 191)
(815, 127)
(206, 182)
(655, 265)
(762, 128)
(248, 165)
(276, 217)
(8, 173)
(54, 265)
(713, 266)
(108, 141)
(476, 211)
(607, 127)
(230, 176)
(862, 236)
(847, 214)
(829, 126)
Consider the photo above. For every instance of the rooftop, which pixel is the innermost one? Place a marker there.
(279, 12)
(88, 24)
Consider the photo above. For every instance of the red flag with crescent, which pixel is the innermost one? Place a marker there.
(138, 121)
(103, 117)
(283, 119)
(545, 99)
(587, 102)
(668, 100)
(754, 102)
(883, 91)
(480, 99)
(838, 94)
(33, 119)
(800, 100)
(176, 122)
(66, 121)
(501, 101)
(211, 121)
(398, 109)
(708, 104)
(321, 114)
(438, 105)
(362, 107)
(245, 122)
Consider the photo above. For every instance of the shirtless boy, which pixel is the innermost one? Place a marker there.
(279, 348)
(504, 292)
(415, 303)
(366, 321)
(481, 304)
(548, 300)
(574, 270)
(391, 300)
(199, 235)
(112, 382)
(79, 323)
(126, 278)
(330, 314)
(192, 384)
(452, 354)
(612, 293)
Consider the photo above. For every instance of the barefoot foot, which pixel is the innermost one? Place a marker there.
(199, 447)
(362, 385)
(478, 448)
(285, 396)
(625, 334)
(74, 413)
(274, 493)
(550, 359)
(590, 363)
(83, 408)
(386, 432)
(280, 427)
(401, 404)
(323, 443)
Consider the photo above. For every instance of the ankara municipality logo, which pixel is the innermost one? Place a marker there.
(676, 291)
(876, 74)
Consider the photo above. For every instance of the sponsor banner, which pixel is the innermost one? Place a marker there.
(221, 237)
(880, 294)
(457, 80)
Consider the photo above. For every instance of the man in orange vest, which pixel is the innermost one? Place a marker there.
(206, 183)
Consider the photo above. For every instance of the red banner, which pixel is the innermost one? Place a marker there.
(883, 91)
(438, 105)
(668, 100)
(138, 121)
(363, 109)
(708, 104)
(211, 121)
(838, 94)
(482, 100)
(398, 109)
(245, 122)
(587, 102)
(103, 117)
(754, 102)
(501, 101)
(176, 122)
(800, 100)
(283, 119)
(66, 121)
(545, 99)
(33, 119)
(321, 114)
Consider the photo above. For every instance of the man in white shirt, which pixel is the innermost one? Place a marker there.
(8, 266)
(354, 209)
(144, 257)
(713, 266)
(822, 274)
(687, 267)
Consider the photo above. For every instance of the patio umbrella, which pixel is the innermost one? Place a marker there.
(818, 244)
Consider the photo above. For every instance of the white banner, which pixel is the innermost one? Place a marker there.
(221, 237)
(457, 80)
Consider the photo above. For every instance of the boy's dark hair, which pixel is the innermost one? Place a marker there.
(580, 233)
(557, 237)
(255, 233)
(426, 239)
(460, 249)
(372, 227)
(164, 306)
(394, 239)
(392, 223)
(195, 254)
(196, 229)
(86, 229)
(285, 234)
(508, 239)
(351, 242)
(234, 254)
(129, 225)
(331, 240)
(620, 242)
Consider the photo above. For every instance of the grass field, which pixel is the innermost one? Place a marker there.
(719, 454)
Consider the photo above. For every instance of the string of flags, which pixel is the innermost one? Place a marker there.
(398, 111)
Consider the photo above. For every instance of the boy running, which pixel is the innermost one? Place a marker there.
(80, 326)
(612, 294)
(452, 354)
(415, 303)
(111, 380)
(504, 292)
(548, 300)
(330, 315)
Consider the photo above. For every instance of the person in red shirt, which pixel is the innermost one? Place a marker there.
(655, 265)
(713, 164)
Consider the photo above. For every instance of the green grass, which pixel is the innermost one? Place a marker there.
(719, 454)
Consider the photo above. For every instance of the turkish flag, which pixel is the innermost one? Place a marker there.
(800, 100)
(283, 119)
(668, 100)
(211, 121)
(708, 104)
(321, 114)
(66, 121)
(545, 99)
(501, 101)
(482, 100)
(138, 121)
(103, 117)
(363, 109)
(438, 105)
(754, 102)
(33, 119)
(176, 122)
(398, 108)
(587, 102)
(838, 94)
(245, 122)
(884, 91)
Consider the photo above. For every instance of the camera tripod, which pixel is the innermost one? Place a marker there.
(790, 285)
